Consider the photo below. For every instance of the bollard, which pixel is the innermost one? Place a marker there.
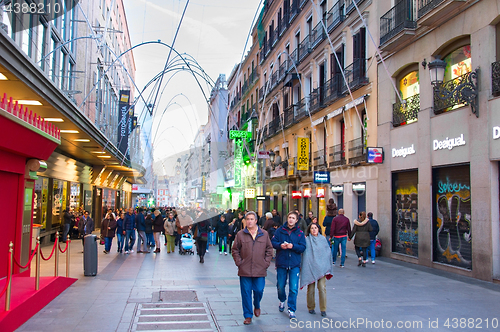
(56, 268)
(7, 295)
(37, 269)
(68, 241)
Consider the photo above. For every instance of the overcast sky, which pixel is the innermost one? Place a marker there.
(214, 32)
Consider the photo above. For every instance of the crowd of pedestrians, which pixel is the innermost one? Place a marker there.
(304, 255)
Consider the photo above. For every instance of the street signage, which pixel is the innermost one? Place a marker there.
(234, 134)
(321, 177)
(263, 154)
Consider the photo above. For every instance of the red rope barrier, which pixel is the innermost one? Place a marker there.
(65, 248)
(29, 261)
(52, 253)
(9, 272)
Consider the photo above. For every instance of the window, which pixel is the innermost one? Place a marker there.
(409, 85)
(458, 63)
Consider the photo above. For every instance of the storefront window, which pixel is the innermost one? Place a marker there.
(452, 216)
(59, 198)
(458, 63)
(405, 213)
(40, 202)
(74, 199)
(108, 200)
(409, 85)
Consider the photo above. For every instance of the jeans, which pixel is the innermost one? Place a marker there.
(247, 286)
(107, 243)
(151, 239)
(65, 232)
(293, 286)
(336, 241)
(157, 240)
(212, 238)
(311, 303)
(361, 251)
(372, 249)
(129, 239)
(223, 242)
(142, 240)
(121, 238)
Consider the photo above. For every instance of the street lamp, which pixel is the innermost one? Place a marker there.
(272, 155)
(436, 69)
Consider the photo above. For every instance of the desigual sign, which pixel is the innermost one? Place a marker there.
(496, 132)
(403, 152)
(448, 143)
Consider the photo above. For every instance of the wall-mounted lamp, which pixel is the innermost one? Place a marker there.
(436, 69)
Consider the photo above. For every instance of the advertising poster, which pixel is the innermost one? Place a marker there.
(302, 153)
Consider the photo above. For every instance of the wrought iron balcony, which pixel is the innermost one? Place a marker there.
(295, 57)
(304, 48)
(406, 112)
(335, 16)
(303, 3)
(289, 116)
(300, 110)
(425, 6)
(319, 159)
(357, 150)
(261, 93)
(495, 78)
(349, 4)
(318, 34)
(282, 70)
(459, 91)
(314, 104)
(331, 90)
(336, 155)
(294, 10)
(274, 80)
(276, 35)
(401, 16)
(355, 75)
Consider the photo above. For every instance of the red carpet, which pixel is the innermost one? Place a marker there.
(25, 301)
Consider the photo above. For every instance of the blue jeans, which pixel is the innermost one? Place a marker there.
(223, 241)
(372, 249)
(247, 286)
(212, 238)
(107, 243)
(120, 237)
(129, 239)
(293, 286)
(65, 232)
(336, 241)
(151, 239)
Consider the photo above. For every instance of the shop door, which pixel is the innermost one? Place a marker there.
(97, 207)
(361, 202)
(340, 201)
(29, 187)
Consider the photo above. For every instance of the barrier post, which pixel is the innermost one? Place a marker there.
(37, 269)
(56, 268)
(7, 295)
(68, 241)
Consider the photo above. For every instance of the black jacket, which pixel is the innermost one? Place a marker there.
(375, 229)
(222, 228)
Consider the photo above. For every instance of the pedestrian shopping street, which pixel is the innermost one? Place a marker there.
(128, 288)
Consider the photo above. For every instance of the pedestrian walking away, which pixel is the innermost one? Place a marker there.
(202, 228)
(361, 233)
(316, 268)
(252, 252)
(340, 231)
(108, 228)
(222, 229)
(157, 228)
(331, 212)
(290, 243)
(140, 222)
(373, 235)
(85, 226)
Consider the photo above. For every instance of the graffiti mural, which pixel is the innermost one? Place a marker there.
(405, 213)
(452, 216)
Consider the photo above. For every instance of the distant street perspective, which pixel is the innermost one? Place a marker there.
(263, 165)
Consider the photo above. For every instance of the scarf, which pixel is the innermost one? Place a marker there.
(316, 260)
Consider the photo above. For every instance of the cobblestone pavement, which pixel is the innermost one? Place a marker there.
(388, 295)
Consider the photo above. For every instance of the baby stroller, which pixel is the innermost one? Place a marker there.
(186, 244)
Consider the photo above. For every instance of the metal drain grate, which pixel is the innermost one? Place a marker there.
(179, 316)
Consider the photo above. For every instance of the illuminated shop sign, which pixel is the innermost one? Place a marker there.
(321, 177)
(261, 198)
(374, 155)
(358, 187)
(296, 194)
(403, 152)
(307, 192)
(448, 143)
(320, 192)
(338, 189)
(233, 134)
(496, 132)
(249, 193)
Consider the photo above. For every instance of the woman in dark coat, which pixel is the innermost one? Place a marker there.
(149, 230)
(361, 229)
(202, 228)
(157, 229)
(222, 230)
(108, 231)
(331, 212)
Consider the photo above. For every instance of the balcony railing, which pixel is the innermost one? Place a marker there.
(336, 155)
(495, 78)
(282, 70)
(294, 10)
(355, 75)
(402, 16)
(357, 150)
(331, 90)
(425, 6)
(303, 3)
(300, 110)
(294, 57)
(350, 5)
(318, 34)
(335, 16)
(314, 104)
(304, 48)
(276, 36)
(406, 112)
(319, 159)
(289, 116)
(456, 92)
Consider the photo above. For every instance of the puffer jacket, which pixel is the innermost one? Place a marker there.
(252, 257)
(158, 222)
(362, 231)
(289, 258)
(169, 226)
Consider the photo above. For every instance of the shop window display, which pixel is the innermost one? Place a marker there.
(405, 213)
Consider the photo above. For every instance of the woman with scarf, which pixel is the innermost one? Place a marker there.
(361, 229)
(316, 267)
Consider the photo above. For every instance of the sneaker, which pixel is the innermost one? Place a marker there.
(139, 252)
(206, 251)
(323, 314)
(131, 251)
(291, 314)
(282, 306)
(127, 252)
(225, 253)
(312, 312)
(363, 264)
(341, 266)
(373, 262)
(220, 252)
(333, 263)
